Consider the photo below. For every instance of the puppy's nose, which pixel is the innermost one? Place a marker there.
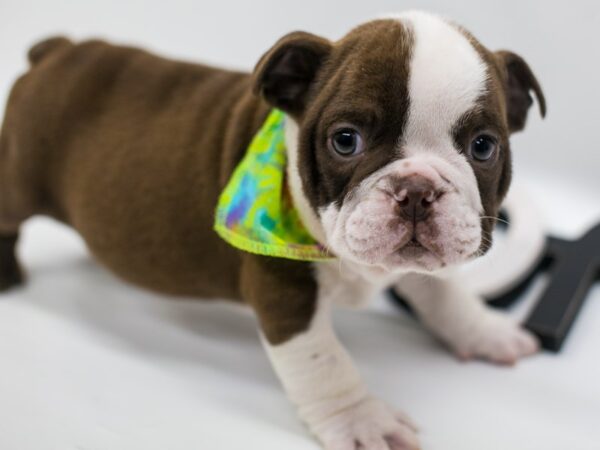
(415, 195)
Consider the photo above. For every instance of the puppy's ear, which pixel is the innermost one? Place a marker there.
(519, 81)
(284, 74)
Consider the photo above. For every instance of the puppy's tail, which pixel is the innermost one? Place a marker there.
(511, 259)
(42, 49)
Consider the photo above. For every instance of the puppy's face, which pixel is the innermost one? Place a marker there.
(398, 138)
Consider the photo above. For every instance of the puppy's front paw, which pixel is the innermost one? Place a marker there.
(368, 425)
(497, 338)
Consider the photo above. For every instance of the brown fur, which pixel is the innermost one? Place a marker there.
(502, 111)
(10, 272)
(132, 150)
(116, 143)
(371, 92)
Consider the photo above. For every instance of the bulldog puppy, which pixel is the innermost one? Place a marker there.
(398, 159)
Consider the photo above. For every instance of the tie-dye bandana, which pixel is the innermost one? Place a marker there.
(255, 212)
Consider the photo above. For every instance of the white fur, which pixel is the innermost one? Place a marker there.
(367, 231)
(307, 214)
(321, 380)
(447, 76)
(463, 322)
(522, 248)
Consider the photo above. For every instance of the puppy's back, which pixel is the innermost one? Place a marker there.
(132, 150)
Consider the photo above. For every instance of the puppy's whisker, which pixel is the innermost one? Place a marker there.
(495, 218)
(487, 240)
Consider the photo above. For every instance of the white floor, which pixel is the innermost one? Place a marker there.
(88, 362)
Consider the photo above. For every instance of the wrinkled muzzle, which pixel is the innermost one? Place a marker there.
(417, 213)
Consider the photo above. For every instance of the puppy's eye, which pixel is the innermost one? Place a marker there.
(483, 147)
(346, 142)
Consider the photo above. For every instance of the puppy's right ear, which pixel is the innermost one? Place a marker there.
(284, 74)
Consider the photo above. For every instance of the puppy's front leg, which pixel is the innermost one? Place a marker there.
(315, 370)
(463, 321)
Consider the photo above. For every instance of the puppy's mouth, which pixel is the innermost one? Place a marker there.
(414, 247)
(413, 243)
(415, 253)
(413, 237)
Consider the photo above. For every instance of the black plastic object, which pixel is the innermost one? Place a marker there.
(573, 267)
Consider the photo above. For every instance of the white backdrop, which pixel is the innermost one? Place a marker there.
(88, 362)
(559, 40)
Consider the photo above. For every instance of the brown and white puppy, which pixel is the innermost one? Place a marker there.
(399, 159)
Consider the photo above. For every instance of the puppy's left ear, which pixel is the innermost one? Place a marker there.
(519, 81)
(285, 73)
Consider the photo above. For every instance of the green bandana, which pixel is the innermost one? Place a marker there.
(255, 211)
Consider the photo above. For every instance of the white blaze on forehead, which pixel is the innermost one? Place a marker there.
(447, 76)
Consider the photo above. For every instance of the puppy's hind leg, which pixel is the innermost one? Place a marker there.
(16, 206)
(10, 271)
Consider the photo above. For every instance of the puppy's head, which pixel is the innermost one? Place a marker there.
(398, 137)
